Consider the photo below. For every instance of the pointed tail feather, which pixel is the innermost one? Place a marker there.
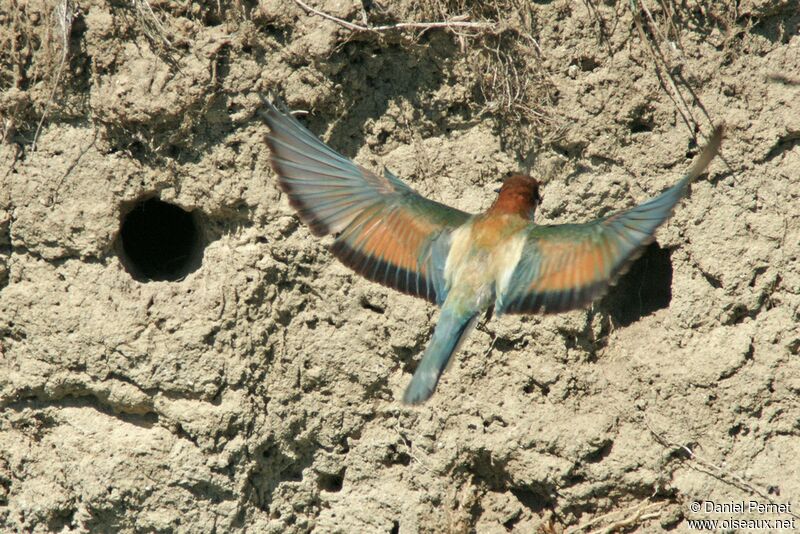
(450, 331)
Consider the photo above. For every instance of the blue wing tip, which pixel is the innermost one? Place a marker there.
(418, 392)
(272, 109)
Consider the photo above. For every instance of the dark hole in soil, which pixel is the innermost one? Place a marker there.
(331, 482)
(160, 241)
(644, 289)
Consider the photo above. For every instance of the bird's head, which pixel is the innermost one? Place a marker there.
(519, 194)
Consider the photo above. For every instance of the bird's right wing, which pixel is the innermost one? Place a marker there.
(564, 267)
(384, 230)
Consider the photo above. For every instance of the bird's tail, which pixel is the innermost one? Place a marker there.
(452, 328)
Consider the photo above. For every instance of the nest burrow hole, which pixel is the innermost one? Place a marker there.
(160, 241)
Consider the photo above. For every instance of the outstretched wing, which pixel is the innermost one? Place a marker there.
(563, 267)
(384, 230)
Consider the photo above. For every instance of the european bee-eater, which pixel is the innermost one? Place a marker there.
(466, 264)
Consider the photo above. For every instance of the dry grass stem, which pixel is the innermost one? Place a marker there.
(621, 519)
(663, 69)
(452, 24)
(714, 470)
(409, 447)
(64, 14)
(152, 26)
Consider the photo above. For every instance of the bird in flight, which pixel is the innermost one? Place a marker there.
(466, 264)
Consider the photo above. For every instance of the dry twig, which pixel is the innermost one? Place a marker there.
(659, 59)
(621, 519)
(714, 470)
(452, 24)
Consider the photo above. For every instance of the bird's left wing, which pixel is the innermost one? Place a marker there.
(564, 267)
(384, 230)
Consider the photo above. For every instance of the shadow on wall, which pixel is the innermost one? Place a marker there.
(644, 289)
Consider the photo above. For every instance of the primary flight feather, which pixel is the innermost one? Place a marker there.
(465, 263)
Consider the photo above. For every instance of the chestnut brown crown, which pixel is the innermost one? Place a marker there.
(518, 195)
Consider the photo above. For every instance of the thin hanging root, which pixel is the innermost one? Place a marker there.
(64, 14)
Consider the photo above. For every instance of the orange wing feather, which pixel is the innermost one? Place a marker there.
(384, 230)
(563, 267)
